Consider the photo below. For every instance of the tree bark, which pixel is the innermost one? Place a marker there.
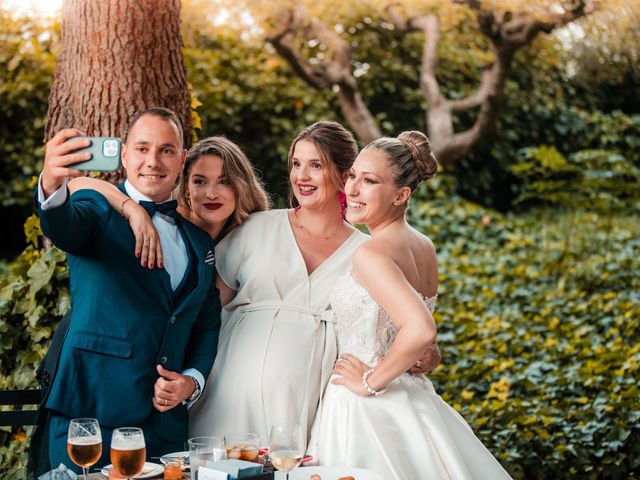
(118, 57)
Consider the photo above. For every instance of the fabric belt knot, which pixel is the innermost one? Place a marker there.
(319, 315)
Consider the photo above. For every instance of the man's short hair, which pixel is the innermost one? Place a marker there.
(157, 112)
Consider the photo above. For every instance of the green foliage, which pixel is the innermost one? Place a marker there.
(13, 457)
(27, 64)
(603, 179)
(34, 294)
(541, 345)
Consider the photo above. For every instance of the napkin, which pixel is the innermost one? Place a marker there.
(237, 469)
(60, 473)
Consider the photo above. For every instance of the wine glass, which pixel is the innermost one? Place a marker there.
(128, 451)
(285, 447)
(84, 443)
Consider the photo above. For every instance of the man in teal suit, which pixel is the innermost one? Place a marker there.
(141, 341)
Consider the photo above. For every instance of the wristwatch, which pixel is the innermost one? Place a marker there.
(197, 390)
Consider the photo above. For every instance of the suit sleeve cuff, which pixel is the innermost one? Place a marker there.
(54, 200)
(199, 378)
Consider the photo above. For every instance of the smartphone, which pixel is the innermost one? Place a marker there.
(105, 154)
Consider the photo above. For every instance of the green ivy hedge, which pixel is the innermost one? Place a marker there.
(539, 329)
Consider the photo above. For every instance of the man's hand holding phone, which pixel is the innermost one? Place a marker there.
(68, 154)
(59, 157)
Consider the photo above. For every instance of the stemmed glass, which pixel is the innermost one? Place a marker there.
(84, 443)
(285, 447)
(128, 451)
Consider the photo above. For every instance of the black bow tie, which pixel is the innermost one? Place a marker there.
(166, 208)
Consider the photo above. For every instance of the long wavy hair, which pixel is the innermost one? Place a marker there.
(249, 190)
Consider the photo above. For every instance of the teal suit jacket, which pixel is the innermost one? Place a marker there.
(124, 319)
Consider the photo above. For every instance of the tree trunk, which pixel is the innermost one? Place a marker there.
(118, 58)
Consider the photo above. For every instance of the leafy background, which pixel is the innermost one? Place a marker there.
(537, 232)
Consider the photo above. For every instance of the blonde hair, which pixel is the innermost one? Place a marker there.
(249, 190)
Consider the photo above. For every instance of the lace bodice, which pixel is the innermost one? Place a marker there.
(364, 329)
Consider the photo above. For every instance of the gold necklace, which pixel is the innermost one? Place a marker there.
(305, 229)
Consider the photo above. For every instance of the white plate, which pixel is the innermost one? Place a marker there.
(173, 457)
(329, 473)
(149, 470)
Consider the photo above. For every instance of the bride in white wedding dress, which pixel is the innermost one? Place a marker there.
(374, 415)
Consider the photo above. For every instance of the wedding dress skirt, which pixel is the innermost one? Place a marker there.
(407, 433)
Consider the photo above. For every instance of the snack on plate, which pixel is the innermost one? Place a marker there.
(346, 478)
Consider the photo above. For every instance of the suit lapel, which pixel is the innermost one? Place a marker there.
(197, 259)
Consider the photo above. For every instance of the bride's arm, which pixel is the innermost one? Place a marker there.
(148, 247)
(415, 325)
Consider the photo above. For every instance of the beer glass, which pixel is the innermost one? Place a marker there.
(203, 449)
(285, 447)
(242, 446)
(84, 443)
(128, 451)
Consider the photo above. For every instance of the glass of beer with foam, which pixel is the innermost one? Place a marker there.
(84, 443)
(128, 451)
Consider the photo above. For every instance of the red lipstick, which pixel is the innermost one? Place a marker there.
(212, 206)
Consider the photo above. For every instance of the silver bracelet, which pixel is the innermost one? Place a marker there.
(370, 390)
(122, 207)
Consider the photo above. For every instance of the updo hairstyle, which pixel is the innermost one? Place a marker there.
(410, 157)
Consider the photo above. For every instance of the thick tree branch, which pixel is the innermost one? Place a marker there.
(325, 73)
(283, 40)
(517, 29)
(474, 100)
(506, 34)
(429, 26)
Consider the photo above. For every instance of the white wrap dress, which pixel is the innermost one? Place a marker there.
(277, 343)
